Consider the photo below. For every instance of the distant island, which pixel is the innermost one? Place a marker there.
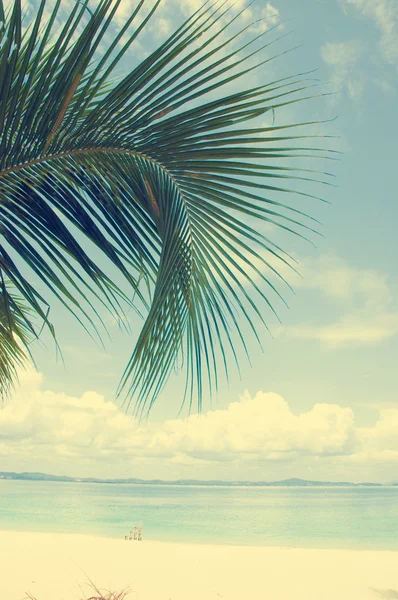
(293, 482)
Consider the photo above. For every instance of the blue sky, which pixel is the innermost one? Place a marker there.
(323, 400)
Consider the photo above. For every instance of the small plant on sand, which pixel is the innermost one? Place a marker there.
(106, 594)
(96, 594)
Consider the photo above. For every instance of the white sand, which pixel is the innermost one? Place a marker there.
(55, 566)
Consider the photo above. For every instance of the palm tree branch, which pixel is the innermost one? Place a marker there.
(156, 177)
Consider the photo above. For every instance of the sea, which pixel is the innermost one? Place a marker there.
(303, 517)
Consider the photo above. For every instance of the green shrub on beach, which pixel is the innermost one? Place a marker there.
(98, 595)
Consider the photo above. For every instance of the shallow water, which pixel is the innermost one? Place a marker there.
(295, 517)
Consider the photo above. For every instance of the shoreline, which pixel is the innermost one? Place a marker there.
(53, 566)
(102, 536)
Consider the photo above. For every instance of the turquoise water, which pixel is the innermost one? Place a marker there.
(295, 517)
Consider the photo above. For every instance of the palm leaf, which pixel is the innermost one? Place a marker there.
(17, 332)
(164, 172)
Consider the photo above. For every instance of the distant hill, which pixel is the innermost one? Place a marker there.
(293, 482)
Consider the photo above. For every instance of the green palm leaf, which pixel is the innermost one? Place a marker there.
(159, 171)
(16, 335)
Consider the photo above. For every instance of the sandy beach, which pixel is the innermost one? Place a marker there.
(58, 567)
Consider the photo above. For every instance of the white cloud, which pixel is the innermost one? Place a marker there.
(379, 444)
(263, 425)
(269, 17)
(190, 6)
(364, 295)
(45, 430)
(384, 14)
(342, 58)
(342, 54)
(336, 279)
(350, 331)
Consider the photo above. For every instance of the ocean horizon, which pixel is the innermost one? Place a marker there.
(307, 517)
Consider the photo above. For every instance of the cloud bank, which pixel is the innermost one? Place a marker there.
(257, 437)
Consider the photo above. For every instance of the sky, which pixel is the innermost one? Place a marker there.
(320, 401)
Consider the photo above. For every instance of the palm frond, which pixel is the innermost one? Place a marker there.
(17, 332)
(165, 172)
